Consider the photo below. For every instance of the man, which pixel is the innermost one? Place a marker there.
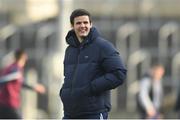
(11, 81)
(92, 67)
(150, 94)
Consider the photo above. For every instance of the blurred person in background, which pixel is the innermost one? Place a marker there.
(149, 98)
(92, 67)
(11, 82)
(177, 104)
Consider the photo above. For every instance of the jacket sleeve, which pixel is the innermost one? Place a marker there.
(10, 77)
(27, 86)
(144, 97)
(113, 68)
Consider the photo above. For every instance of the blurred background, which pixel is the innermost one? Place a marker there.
(143, 31)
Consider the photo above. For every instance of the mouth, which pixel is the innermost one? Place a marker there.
(82, 30)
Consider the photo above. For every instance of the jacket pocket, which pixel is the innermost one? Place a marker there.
(82, 103)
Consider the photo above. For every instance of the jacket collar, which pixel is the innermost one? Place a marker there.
(72, 40)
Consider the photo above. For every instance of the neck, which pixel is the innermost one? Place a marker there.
(80, 39)
(20, 63)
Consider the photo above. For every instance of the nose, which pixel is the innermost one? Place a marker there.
(82, 25)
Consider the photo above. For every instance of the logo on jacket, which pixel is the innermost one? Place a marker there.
(86, 57)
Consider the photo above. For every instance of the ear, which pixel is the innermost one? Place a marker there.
(91, 25)
(72, 26)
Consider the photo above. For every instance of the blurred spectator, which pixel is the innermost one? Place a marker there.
(151, 92)
(177, 105)
(11, 82)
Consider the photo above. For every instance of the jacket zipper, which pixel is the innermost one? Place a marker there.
(75, 71)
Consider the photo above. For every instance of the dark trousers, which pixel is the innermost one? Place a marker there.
(100, 116)
(9, 113)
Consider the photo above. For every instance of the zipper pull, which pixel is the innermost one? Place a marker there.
(101, 116)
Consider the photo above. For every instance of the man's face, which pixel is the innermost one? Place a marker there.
(158, 72)
(82, 26)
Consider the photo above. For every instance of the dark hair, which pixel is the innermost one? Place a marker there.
(157, 64)
(18, 53)
(77, 13)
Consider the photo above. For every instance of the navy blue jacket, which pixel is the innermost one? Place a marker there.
(91, 69)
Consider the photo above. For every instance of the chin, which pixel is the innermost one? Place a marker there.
(84, 36)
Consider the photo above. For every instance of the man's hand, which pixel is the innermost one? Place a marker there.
(40, 88)
(151, 112)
